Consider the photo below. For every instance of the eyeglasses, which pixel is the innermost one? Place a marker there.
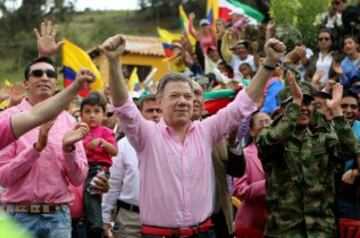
(352, 106)
(324, 38)
(39, 73)
(110, 114)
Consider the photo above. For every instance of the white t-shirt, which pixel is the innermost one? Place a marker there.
(325, 65)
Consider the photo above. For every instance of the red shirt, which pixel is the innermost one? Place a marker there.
(99, 154)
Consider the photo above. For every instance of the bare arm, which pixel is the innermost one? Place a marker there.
(274, 50)
(225, 47)
(50, 108)
(113, 48)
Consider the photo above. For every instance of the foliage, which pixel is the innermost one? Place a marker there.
(159, 9)
(15, 24)
(300, 14)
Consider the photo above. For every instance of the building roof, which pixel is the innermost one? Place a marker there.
(140, 45)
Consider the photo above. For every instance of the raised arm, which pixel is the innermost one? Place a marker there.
(274, 50)
(278, 133)
(113, 48)
(347, 145)
(51, 107)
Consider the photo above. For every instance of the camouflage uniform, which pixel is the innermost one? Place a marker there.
(299, 167)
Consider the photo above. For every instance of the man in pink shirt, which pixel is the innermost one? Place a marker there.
(36, 169)
(176, 190)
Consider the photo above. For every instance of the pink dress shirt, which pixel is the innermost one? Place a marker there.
(6, 132)
(176, 183)
(250, 189)
(99, 154)
(77, 206)
(31, 177)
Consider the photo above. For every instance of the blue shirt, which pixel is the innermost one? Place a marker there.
(351, 70)
(271, 103)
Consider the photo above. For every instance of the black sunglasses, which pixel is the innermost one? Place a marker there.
(39, 73)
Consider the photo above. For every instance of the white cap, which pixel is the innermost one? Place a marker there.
(237, 11)
(204, 22)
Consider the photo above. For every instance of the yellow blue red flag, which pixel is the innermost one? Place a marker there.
(167, 38)
(134, 82)
(187, 25)
(73, 58)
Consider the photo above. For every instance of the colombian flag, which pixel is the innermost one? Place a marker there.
(212, 9)
(134, 82)
(167, 38)
(187, 25)
(73, 58)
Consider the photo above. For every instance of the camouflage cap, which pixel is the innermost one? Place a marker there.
(285, 96)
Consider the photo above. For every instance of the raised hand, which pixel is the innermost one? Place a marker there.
(84, 78)
(274, 50)
(337, 68)
(270, 29)
(334, 103)
(114, 47)
(74, 135)
(296, 93)
(46, 43)
(296, 54)
(43, 135)
(254, 46)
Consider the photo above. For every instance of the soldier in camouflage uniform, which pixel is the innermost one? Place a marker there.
(299, 157)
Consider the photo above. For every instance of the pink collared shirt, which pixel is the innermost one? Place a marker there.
(176, 184)
(6, 132)
(30, 177)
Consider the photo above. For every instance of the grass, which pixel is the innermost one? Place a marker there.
(86, 29)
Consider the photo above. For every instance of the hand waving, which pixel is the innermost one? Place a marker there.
(46, 39)
(114, 47)
(337, 94)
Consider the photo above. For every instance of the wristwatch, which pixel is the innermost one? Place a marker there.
(269, 67)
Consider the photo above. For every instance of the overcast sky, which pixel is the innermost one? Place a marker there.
(106, 4)
(94, 4)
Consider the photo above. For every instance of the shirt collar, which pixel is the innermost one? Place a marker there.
(168, 129)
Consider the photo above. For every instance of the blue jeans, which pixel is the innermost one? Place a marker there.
(208, 234)
(46, 225)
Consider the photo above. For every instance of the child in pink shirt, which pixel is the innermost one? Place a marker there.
(100, 146)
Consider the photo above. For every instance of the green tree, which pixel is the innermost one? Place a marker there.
(16, 24)
(299, 14)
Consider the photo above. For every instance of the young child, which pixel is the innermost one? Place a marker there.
(100, 146)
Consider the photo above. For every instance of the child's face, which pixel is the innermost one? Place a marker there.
(92, 115)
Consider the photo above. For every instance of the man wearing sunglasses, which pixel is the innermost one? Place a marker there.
(36, 170)
(299, 153)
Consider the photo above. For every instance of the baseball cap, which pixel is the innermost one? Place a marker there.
(204, 22)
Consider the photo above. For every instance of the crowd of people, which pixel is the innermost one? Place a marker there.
(162, 166)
